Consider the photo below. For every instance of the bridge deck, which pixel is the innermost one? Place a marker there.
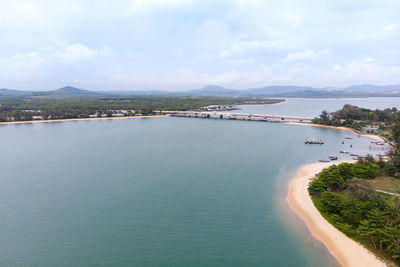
(238, 116)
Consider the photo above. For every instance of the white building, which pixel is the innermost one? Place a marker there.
(370, 129)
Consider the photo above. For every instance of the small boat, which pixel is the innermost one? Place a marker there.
(344, 152)
(314, 141)
(348, 138)
(324, 160)
(342, 142)
(354, 155)
(332, 157)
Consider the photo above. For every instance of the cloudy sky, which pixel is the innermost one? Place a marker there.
(185, 44)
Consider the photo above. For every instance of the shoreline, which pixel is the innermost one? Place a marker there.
(341, 128)
(83, 119)
(347, 251)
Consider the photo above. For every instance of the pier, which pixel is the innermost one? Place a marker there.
(236, 116)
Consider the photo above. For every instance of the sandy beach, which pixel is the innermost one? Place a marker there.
(345, 250)
(83, 119)
(340, 128)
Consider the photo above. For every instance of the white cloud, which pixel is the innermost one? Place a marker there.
(23, 56)
(390, 28)
(241, 61)
(354, 72)
(76, 52)
(337, 67)
(294, 20)
(241, 47)
(224, 53)
(71, 61)
(307, 55)
(167, 44)
(140, 6)
(368, 60)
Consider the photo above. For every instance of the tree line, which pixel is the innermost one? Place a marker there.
(356, 118)
(77, 106)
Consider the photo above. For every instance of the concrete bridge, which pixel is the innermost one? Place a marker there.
(237, 116)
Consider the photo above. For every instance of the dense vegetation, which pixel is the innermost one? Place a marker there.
(387, 120)
(346, 199)
(357, 118)
(344, 194)
(65, 106)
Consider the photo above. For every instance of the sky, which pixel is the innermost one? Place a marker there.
(186, 44)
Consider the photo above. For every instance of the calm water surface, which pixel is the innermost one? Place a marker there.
(157, 192)
(313, 107)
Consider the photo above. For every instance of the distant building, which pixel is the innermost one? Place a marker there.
(370, 129)
(31, 110)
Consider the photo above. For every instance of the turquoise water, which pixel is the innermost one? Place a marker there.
(157, 192)
(313, 107)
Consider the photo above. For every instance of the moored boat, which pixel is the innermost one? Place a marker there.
(314, 141)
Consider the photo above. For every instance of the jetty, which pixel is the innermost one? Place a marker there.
(237, 116)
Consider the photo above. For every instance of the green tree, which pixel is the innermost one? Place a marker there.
(366, 170)
(331, 203)
(346, 171)
(360, 188)
(316, 186)
(324, 117)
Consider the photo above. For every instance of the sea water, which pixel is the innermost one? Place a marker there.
(158, 192)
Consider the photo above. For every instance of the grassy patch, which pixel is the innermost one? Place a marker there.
(385, 183)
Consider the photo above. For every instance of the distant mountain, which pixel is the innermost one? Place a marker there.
(72, 91)
(323, 93)
(373, 88)
(152, 92)
(278, 89)
(215, 90)
(9, 92)
(211, 90)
